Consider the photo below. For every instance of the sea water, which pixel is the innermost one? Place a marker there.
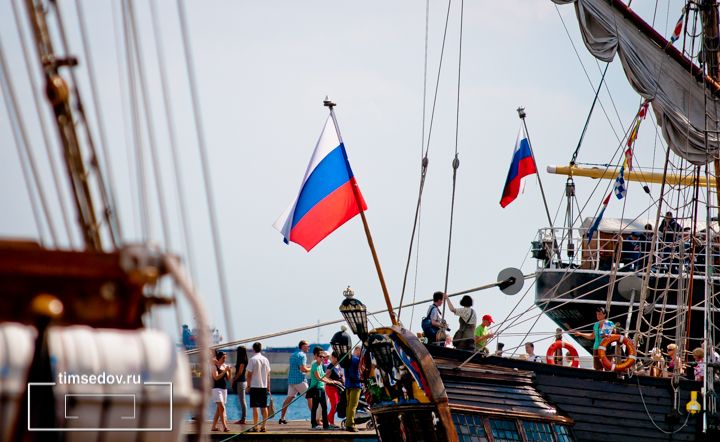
(298, 410)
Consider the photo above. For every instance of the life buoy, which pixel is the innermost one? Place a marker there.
(622, 340)
(550, 355)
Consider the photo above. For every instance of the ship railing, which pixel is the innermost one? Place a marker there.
(624, 251)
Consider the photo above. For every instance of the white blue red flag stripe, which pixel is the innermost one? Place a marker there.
(522, 165)
(596, 223)
(328, 197)
(678, 28)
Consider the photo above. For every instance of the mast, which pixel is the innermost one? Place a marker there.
(709, 13)
(58, 94)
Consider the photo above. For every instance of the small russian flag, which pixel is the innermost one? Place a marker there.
(523, 164)
(328, 197)
(596, 223)
(678, 28)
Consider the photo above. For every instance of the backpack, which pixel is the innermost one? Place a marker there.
(428, 329)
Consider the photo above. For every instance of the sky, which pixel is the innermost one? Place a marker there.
(263, 70)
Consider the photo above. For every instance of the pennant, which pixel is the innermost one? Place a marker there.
(620, 189)
(328, 197)
(522, 165)
(678, 28)
(596, 223)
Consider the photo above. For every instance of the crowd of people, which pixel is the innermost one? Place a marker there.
(678, 248)
(330, 380)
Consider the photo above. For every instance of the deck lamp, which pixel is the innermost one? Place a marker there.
(382, 348)
(355, 313)
(341, 344)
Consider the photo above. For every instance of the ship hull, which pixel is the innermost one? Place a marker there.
(570, 297)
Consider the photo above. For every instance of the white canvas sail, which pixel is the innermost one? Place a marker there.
(677, 94)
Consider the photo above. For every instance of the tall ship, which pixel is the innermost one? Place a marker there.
(625, 289)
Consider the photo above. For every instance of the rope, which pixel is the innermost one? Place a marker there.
(98, 111)
(587, 120)
(165, 224)
(456, 160)
(20, 136)
(202, 146)
(174, 151)
(652, 421)
(144, 209)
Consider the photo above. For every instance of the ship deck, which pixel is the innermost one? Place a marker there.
(296, 430)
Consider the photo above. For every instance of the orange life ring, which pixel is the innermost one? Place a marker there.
(550, 355)
(622, 340)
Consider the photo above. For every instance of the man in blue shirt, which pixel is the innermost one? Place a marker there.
(296, 377)
(353, 387)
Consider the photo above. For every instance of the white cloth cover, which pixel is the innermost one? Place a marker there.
(678, 98)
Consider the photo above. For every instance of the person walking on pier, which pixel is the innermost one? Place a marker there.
(220, 374)
(258, 380)
(317, 390)
(296, 378)
(353, 387)
(240, 382)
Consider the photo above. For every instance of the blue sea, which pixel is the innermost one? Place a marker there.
(298, 410)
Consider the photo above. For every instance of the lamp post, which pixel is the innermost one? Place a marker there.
(342, 344)
(382, 348)
(355, 313)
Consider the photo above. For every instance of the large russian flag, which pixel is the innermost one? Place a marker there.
(328, 197)
(523, 164)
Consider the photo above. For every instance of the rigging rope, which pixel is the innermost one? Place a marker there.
(174, 151)
(18, 137)
(202, 146)
(426, 147)
(456, 160)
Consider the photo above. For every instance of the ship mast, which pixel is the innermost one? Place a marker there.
(58, 94)
(711, 55)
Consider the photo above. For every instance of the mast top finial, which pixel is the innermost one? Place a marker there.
(328, 103)
(521, 112)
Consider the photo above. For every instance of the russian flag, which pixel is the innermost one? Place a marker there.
(328, 197)
(523, 164)
(596, 223)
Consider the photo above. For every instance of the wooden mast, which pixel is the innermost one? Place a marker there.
(58, 93)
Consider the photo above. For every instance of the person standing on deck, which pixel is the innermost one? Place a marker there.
(596, 335)
(333, 390)
(296, 378)
(464, 337)
(353, 387)
(530, 353)
(258, 380)
(433, 322)
(482, 335)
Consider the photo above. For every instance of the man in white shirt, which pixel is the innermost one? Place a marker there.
(530, 353)
(258, 381)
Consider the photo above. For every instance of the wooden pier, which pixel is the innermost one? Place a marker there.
(294, 431)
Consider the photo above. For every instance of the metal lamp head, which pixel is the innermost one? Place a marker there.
(341, 343)
(382, 348)
(355, 313)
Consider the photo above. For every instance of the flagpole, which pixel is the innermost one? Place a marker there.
(522, 115)
(329, 104)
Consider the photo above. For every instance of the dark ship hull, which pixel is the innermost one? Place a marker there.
(570, 297)
(494, 399)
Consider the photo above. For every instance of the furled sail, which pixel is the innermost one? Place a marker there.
(657, 71)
